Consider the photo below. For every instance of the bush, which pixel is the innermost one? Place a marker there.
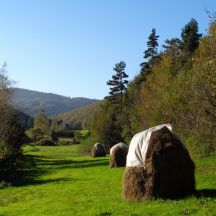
(65, 142)
(12, 136)
(54, 136)
(34, 134)
(198, 146)
(64, 133)
(87, 145)
(46, 142)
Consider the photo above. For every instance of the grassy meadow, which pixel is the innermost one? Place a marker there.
(59, 182)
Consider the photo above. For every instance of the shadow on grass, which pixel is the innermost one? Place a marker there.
(37, 166)
(30, 181)
(62, 163)
(207, 193)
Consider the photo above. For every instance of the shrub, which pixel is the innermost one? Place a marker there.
(12, 136)
(198, 146)
(46, 142)
(87, 145)
(65, 142)
(54, 136)
(35, 134)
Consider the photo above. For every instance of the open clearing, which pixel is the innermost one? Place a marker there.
(59, 182)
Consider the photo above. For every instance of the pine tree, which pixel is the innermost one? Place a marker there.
(150, 54)
(172, 46)
(190, 37)
(118, 83)
(152, 44)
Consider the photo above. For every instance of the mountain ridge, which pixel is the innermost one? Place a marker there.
(30, 102)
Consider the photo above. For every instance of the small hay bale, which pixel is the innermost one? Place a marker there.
(118, 155)
(168, 171)
(98, 150)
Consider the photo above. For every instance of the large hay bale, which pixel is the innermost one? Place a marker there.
(167, 172)
(98, 150)
(118, 155)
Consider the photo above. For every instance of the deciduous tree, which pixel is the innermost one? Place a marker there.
(42, 122)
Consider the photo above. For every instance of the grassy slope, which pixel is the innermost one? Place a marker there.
(64, 184)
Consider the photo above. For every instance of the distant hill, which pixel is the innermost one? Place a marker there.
(80, 117)
(29, 102)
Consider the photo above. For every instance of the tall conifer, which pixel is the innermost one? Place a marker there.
(150, 54)
(190, 37)
(118, 83)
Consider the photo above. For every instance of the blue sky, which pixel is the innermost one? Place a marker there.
(70, 47)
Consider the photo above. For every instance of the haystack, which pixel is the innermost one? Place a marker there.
(158, 166)
(98, 150)
(118, 155)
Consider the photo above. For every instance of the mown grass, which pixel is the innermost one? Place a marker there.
(59, 182)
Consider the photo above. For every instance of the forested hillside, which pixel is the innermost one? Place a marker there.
(176, 85)
(79, 118)
(30, 102)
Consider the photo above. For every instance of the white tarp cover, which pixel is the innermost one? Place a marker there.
(121, 145)
(139, 146)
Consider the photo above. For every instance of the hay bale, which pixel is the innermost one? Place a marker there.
(98, 150)
(118, 155)
(133, 183)
(167, 172)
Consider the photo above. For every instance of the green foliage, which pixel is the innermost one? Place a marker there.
(77, 137)
(5, 85)
(197, 145)
(12, 136)
(64, 133)
(179, 92)
(34, 134)
(150, 54)
(190, 42)
(42, 122)
(118, 84)
(65, 141)
(190, 37)
(25, 120)
(84, 133)
(178, 87)
(54, 136)
(152, 44)
(78, 118)
(46, 142)
(87, 145)
(106, 126)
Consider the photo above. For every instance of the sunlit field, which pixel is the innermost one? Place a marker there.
(59, 182)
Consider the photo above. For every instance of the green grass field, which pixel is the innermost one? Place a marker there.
(59, 182)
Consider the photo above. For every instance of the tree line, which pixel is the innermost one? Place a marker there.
(176, 85)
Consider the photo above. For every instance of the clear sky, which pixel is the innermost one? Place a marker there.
(70, 47)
